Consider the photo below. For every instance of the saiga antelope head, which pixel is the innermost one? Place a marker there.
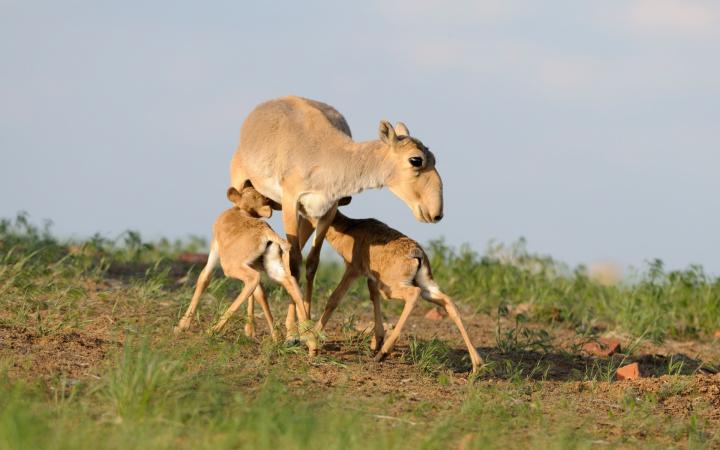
(413, 178)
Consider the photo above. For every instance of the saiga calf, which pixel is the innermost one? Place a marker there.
(245, 246)
(396, 267)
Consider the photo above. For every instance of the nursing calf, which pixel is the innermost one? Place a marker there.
(245, 246)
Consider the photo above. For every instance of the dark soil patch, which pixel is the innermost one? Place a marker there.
(30, 355)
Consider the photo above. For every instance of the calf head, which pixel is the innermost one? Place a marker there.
(250, 201)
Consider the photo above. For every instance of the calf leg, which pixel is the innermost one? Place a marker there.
(259, 295)
(348, 277)
(379, 336)
(250, 324)
(202, 284)
(410, 294)
(291, 328)
(434, 295)
(251, 278)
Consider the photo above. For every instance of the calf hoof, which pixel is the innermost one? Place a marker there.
(312, 345)
(182, 326)
(276, 335)
(249, 330)
(214, 331)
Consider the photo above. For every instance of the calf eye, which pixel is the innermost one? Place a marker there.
(416, 161)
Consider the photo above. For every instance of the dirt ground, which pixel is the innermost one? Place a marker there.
(561, 369)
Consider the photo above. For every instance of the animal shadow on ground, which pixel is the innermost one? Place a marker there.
(559, 365)
(433, 356)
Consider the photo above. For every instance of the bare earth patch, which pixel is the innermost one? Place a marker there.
(73, 354)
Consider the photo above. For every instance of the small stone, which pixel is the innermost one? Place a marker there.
(603, 347)
(629, 372)
(436, 314)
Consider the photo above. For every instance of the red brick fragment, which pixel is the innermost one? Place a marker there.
(436, 314)
(717, 333)
(629, 372)
(603, 347)
(193, 258)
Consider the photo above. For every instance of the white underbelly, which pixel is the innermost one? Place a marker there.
(314, 204)
(270, 189)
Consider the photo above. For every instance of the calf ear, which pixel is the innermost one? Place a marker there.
(233, 195)
(275, 205)
(401, 129)
(387, 133)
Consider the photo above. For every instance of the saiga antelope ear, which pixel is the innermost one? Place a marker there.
(344, 201)
(387, 133)
(234, 196)
(401, 129)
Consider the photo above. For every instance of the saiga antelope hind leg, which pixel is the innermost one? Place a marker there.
(291, 225)
(313, 259)
(306, 334)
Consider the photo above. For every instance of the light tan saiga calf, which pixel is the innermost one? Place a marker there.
(245, 246)
(396, 267)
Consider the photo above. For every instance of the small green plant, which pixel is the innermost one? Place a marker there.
(430, 357)
(675, 365)
(519, 338)
(354, 338)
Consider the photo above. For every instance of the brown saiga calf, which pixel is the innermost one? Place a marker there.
(396, 267)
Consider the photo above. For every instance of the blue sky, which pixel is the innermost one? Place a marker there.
(590, 128)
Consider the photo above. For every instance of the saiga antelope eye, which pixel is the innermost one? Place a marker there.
(416, 161)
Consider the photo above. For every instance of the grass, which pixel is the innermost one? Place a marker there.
(429, 356)
(654, 303)
(87, 359)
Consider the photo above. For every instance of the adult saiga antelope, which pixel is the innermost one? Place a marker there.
(300, 154)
